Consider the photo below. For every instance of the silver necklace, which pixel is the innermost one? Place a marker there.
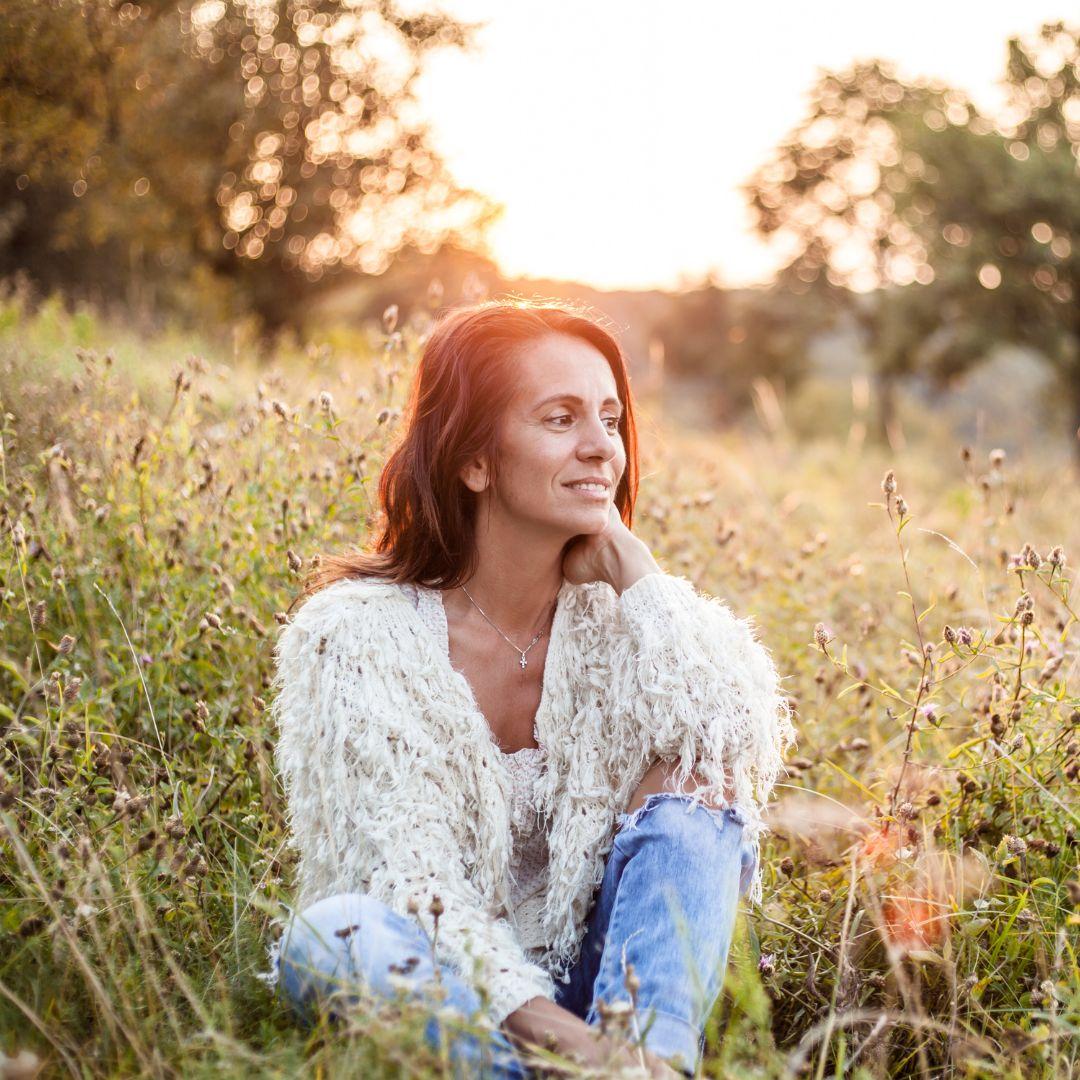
(523, 662)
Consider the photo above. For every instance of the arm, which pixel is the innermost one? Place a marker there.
(368, 801)
(543, 1023)
(697, 685)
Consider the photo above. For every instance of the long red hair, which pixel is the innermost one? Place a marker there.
(463, 385)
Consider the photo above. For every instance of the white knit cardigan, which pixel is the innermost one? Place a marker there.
(396, 786)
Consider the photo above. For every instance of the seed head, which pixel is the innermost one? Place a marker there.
(67, 643)
(1016, 845)
(950, 634)
(997, 458)
(888, 485)
(294, 560)
(436, 906)
(901, 506)
(280, 408)
(766, 965)
(787, 866)
(965, 454)
(822, 636)
(326, 401)
(1056, 558)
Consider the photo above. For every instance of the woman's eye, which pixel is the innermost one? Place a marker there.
(613, 421)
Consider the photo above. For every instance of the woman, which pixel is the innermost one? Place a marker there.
(519, 757)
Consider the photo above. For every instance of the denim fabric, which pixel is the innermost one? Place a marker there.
(667, 905)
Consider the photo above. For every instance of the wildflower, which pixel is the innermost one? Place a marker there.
(1016, 845)
(825, 896)
(787, 866)
(888, 485)
(950, 634)
(294, 560)
(384, 415)
(280, 409)
(1056, 558)
(67, 643)
(965, 635)
(901, 506)
(326, 401)
(436, 906)
(910, 923)
(906, 811)
(822, 636)
(997, 458)
(175, 828)
(766, 965)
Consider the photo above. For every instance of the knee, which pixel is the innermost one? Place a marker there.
(700, 830)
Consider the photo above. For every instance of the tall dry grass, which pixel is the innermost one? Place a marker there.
(920, 913)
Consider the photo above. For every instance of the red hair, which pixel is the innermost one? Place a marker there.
(463, 385)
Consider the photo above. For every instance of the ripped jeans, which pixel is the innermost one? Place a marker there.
(667, 904)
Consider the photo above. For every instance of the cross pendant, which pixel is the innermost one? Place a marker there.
(524, 662)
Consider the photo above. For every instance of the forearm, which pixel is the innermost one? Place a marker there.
(627, 561)
(544, 1024)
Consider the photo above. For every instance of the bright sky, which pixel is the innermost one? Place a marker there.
(617, 132)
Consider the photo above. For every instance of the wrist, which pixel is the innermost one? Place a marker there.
(629, 562)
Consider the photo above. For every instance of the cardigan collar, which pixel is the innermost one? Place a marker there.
(432, 614)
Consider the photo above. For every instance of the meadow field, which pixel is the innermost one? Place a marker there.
(160, 502)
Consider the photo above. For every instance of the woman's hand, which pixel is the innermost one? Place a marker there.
(614, 555)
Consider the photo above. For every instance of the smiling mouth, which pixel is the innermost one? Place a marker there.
(595, 491)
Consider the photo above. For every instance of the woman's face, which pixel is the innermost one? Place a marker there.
(560, 427)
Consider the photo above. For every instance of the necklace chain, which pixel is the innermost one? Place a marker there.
(522, 662)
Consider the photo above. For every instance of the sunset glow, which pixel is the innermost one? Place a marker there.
(617, 135)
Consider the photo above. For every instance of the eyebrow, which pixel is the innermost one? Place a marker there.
(576, 400)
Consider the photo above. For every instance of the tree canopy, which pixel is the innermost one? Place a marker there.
(246, 147)
(966, 225)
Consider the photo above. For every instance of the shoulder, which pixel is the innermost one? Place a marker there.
(351, 605)
(369, 595)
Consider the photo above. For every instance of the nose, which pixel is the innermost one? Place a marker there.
(596, 443)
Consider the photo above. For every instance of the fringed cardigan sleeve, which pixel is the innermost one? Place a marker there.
(368, 800)
(696, 685)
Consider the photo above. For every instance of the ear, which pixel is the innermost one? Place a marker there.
(475, 475)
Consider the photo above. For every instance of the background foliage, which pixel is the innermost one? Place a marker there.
(921, 897)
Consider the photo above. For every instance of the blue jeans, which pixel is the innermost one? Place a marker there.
(667, 905)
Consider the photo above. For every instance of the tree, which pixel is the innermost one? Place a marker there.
(259, 145)
(961, 230)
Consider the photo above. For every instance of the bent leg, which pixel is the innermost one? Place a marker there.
(667, 905)
(351, 947)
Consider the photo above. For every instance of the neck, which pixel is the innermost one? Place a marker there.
(517, 577)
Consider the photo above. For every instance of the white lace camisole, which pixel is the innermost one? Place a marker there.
(528, 827)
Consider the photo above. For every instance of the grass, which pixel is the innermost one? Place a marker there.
(920, 916)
